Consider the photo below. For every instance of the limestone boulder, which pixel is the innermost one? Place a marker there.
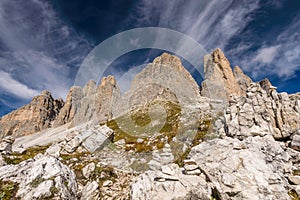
(40, 178)
(250, 169)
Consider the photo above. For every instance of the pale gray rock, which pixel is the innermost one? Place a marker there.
(88, 138)
(160, 158)
(72, 145)
(296, 141)
(100, 137)
(157, 185)
(90, 191)
(5, 147)
(42, 191)
(35, 178)
(294, 179)
(196, 172)
(263, 113)
(170, 169)
(250, 169)
(88, 169)
(53, 150)
(19, 150)
(107, 183)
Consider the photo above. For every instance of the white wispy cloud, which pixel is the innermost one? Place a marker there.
(211, 22)
(38, 50)
(266, 55)
(280, 58)
(12, 86)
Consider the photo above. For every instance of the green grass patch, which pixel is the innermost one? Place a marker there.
(8, 190)
(294, 195)
(68, 157)
(103, 173)
(16, 158)
(141, 118)
(36, 182)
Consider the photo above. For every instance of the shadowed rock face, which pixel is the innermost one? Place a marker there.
(220, 82)
(33, 117)
(89, 103)
(82, 105)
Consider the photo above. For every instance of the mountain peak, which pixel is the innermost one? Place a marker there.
(220, 81)
(109, 80)
(166, 59)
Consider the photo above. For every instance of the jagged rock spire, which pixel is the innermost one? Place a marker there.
(220, 82)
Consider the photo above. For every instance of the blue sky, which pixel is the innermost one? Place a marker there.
(43, 42)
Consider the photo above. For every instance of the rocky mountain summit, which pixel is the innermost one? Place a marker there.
(220, 81)
(166, 138)
(33, 117)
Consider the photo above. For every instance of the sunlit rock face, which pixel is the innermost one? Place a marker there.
(31, 118)
(219, 81)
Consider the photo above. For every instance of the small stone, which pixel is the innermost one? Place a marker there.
(294, 179)
(53, 150)
(107, 183)
(196, 172)
(170, 169)
(90, 191)
(72, 145)
(88, 169)
(19, 150)
(296, 141)
(5, 147)
(139, 140)
(190, 167)
(120, 142)
(9, 139)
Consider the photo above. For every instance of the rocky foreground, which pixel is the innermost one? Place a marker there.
(166, 138)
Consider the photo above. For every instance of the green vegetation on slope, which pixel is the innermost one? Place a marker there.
(8, 189)
(16, 158)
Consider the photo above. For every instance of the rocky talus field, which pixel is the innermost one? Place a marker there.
(166, 138)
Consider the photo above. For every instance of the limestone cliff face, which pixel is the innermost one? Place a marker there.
(33, 117)
(219, 81)
(89, 103)
(165, 78)
(242, 79)
(71, 106)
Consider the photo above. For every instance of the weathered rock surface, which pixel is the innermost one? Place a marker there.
(165, 79)
(6, 145)
(68, 111)
(249, 169)
(31, 118)
(263, 112)
(89, 139)
(296, 140)
(89, 103)
(91, 191)
(219, 81)
(40, 178)
(159, 185)
(242, 79)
